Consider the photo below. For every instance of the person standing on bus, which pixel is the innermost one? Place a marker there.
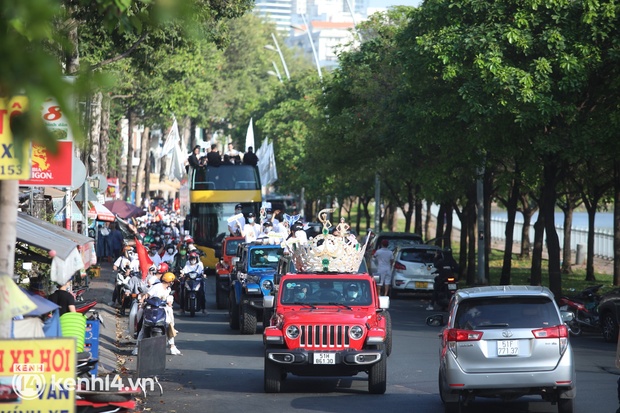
(213, 157)
(251, 229)
(193, 160)
(236, 226)
(250, 158)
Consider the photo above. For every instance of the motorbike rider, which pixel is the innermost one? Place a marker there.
(193, 265)
(161, 289)
(445, 268)
(122, 266)
(169, 254)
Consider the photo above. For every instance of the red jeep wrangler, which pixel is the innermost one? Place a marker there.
(223, 269)
(326, 321)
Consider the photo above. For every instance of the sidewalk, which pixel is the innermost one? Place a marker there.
(114, 345)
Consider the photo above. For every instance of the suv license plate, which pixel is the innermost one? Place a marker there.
(324, 358)
(452, 286)
(507, 347)
(419, 284)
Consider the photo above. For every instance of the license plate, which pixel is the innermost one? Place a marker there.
(508, 347)
(451, 286)
(324, 358)
(419, 284)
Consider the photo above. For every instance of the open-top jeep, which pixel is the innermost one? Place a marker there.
(251, 279)
(328, 319)
(223, 269)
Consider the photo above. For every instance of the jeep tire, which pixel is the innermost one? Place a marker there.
(247, 317)
(233, 310)
(377, 377)
(273, 377)
(388, 332)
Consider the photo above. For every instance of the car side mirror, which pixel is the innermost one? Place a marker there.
(435, 320)
(268, 301)
(384, 302)
(567, 316)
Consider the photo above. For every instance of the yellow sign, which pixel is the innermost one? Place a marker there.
(10, 166)
(37, 375)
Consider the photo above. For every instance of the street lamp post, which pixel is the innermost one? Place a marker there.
(275, 71)
(277, 49)
(316, 56)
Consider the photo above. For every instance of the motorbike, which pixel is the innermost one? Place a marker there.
(447, 287)
(584, 307)
(85, 306)
(154, 317)
(193, 289)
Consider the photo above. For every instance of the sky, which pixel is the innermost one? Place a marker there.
(388, 3)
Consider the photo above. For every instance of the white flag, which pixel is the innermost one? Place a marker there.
(172, 140)
(177, 169)
(273, 171)
(249, 137)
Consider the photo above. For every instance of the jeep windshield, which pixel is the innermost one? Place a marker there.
(265, 257)
(321, 291)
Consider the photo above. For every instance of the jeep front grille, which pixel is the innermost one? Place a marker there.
(324, 336)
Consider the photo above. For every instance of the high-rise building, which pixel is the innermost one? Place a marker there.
(276, 11)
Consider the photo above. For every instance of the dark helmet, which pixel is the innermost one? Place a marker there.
(238, 206)
(251, 215)
(298, 226)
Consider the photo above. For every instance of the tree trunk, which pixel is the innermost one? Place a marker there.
(440, 224)
(427, 220)
(94, 133)
(141, 174)
(358, 218)
(129, 169)
(472, 230)
(527, 210)
(549, 198)
(418, 211)
(104, 137)
(447, 235)
(72, 58)
(511, 208)
(463, 217)
(487, 200)
(591, 208)
(566, 250)
(616, 222)
(539, 235)
(9, 195)
(408, 208)
(365, 203)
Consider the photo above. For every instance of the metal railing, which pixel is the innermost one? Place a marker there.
(603, 238)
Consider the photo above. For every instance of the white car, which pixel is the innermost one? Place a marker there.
(413, 268)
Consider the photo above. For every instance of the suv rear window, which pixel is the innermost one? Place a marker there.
(395, 242)
(506, 312)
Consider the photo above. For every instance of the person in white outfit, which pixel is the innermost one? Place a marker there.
(251, 229)
(384, 258)
(161, 289)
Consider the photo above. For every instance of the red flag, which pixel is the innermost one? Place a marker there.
(143, 257)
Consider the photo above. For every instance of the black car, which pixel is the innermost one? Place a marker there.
(609, 314)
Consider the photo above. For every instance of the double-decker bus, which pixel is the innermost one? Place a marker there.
(213, 193)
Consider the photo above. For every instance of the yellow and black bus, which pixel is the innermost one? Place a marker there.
(213, 193)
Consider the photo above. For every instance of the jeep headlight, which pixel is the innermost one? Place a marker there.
(356, 332)
(292, 332)
(267, 285)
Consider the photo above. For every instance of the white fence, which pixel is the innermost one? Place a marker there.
(603, 238)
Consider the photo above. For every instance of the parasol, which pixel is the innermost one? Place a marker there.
(100, 212)
(124, 209)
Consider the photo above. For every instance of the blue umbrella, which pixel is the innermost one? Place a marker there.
(44, 305)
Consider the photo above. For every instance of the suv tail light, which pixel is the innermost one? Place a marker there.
(560, 332)
(399, 266)
(454, 335)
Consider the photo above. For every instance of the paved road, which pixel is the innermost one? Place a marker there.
(222, 371)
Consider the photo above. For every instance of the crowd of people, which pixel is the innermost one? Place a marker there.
(213, 157)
